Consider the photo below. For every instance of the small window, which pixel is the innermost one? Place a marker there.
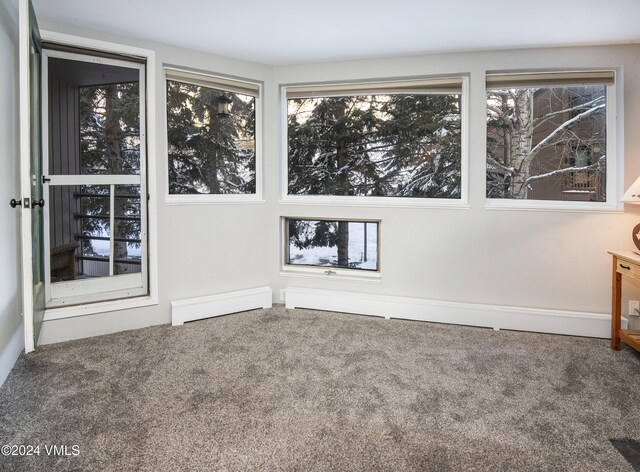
(341, 244)
(548, 136)
(369, 140)
(211, 135)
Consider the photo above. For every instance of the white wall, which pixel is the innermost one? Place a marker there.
(538, 259)
(554, 260)
(11, 332)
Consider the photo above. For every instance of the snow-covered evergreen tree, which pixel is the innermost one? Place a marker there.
(209, 152)
(372, 145)
(369, 145)
(110, 144)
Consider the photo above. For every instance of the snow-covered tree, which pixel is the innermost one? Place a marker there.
(543, 133)
(110, 144)
(372, 145)
(210, 152)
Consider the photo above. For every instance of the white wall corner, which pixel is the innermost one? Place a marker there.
(199, 308)
(539, 320)
(11, 352)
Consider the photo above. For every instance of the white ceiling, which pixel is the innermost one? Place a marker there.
(299, 31)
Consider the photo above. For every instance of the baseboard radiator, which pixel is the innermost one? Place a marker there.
(572, 323)
(209, 306)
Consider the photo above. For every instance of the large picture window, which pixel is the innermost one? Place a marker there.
(385, 139)
(341, 244)
(211, 135)
(548, 136)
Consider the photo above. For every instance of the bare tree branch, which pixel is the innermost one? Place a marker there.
(496, 110)
(567, 170)
(508, 170)
(543, 119)
(563, 127)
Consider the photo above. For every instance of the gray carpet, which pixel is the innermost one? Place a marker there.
(301, 390)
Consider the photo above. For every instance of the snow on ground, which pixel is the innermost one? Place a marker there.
(327, 256)
(102, 247)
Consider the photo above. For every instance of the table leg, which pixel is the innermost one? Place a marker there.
(616, 302)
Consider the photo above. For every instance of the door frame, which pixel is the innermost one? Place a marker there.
(32, 315)
(150, 138)
(152, 158)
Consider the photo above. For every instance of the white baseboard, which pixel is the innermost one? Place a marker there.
(10, 353)
(221, 304)
(539, 320)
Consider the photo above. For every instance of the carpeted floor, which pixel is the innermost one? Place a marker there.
(302, 390)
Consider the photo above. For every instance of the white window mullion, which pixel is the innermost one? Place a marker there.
(112, 226)
(82, 179)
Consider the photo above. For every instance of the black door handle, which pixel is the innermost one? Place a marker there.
(36, 203)
(14, 203)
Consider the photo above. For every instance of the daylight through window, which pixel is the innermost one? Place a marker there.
(547, 136)
(211, 128)
(331, 243)
(385, 139)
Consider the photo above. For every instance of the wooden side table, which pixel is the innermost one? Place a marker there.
(625, 264)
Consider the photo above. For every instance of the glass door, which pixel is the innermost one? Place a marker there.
(95, 223)
(30, 168)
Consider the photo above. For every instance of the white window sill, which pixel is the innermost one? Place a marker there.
(392, 202)
(98, 307)
(331, 273)
(212, 199)
(552, 205)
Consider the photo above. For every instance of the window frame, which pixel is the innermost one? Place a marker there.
(614, 146)
(368, 201)
(150, 297)
(199, 199)
(299, 270)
